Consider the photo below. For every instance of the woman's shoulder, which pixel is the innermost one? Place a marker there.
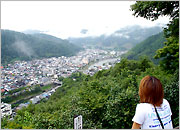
(165, 102)
(143, 108)
(144, 105)
(148, 105)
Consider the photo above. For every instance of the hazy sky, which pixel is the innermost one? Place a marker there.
(71, 18)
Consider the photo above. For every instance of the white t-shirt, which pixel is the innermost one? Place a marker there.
(146, 116)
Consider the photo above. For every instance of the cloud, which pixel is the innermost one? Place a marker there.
(121, 35)
(23, 47)
(30, 31)
(91, 15)
(84, 31)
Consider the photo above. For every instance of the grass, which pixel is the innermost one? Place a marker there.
(47, 87)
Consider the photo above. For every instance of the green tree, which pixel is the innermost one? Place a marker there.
(171, 91)
(105, 100)
(151, 10)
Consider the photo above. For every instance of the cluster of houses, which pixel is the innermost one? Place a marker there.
(45, 71)
(48, 70)
(5, 109)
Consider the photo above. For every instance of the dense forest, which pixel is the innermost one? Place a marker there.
(147, 48)
(20, 46)
(107, 100)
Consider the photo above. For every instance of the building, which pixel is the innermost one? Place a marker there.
(35, 100)
(2, 90)
(22, 105)
(5, 109)
(85, 60)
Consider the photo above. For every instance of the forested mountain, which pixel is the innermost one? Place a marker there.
(123, 39)
(20, 46)
(147, 48)
(49, 37)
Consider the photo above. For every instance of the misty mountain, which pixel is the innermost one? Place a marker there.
(148, 48)
(48, 37)
(122, 39)
(30, 31)
(20, 46)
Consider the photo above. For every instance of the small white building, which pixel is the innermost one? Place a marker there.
(21, 106)
(5, 109)
(112, 52)
(35, 100)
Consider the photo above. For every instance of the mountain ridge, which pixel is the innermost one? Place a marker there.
(122, 39)
(20, 46)
(148, 48)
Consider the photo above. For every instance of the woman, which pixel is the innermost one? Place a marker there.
(151, 106)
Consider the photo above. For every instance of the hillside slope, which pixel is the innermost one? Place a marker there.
(106, 100)
(147, 48)
(20, 46)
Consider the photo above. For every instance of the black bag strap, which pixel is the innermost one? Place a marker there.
(159, 118)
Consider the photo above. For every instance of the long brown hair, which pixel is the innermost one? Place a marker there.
(151, 91)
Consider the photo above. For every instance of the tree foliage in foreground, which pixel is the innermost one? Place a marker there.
(151, 10)
(106, 100)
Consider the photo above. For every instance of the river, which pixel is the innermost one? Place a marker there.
(100, 63)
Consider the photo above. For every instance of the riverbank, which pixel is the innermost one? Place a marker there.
(99, 65)
(25, 94)
(36, 99)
